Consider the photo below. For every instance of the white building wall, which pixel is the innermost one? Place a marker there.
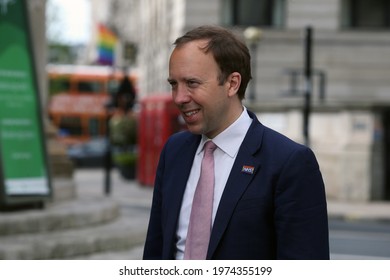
(160, 22)
(37, 10)
(202, 12)
(99, 14)
(342, 141)
(319, 14)
(356, 64)
(152, 25)
(361, 73)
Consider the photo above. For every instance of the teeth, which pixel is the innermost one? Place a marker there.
(188, 114)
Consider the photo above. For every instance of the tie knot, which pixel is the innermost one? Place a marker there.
(209, 147)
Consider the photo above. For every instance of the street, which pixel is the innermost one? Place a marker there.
(349, 239)
(359, 240)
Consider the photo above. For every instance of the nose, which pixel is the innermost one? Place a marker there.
(180, 96)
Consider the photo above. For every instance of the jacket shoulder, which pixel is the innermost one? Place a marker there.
(183, 139)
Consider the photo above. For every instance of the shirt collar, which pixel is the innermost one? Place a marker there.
(229, 140)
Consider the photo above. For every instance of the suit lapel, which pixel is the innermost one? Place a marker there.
(238, 182)
(181, 167)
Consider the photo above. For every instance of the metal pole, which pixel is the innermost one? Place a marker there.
(107, 158)
(308, 84)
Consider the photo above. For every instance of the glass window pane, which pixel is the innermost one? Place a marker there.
(90, 86)
(70, 126)
(94, 127)
(253, 12)
(365, 14)
(370, 13)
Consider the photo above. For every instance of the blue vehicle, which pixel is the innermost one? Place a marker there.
(91, 153)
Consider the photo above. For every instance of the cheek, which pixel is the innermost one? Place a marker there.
(209, 97)
(219, 97)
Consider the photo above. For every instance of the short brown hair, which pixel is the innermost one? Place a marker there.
(229, 52)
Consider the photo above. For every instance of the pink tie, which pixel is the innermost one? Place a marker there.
(199, 229)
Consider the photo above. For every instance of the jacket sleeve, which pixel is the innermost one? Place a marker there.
(301, 220)
(154, 237)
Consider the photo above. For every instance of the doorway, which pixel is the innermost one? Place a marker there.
(386, 153)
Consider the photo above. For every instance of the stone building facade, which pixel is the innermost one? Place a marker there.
(349, 129)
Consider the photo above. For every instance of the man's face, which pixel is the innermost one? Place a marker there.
(196, 90)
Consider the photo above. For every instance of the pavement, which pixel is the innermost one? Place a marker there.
(133, 202)
(133, 199)
(131, 195)
(93, 225)
(374, 211)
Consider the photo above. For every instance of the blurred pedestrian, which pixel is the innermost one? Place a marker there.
(123, 122)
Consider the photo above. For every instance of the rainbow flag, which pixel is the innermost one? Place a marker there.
(106, 45)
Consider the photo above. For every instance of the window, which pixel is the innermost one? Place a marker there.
(94, 127)
(70, 126)
(363, 14)
(57, 85)
(253, 12)
(113, 86)
(90, 86)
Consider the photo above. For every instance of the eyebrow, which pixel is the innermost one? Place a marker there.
(186, 79)
(172, 81)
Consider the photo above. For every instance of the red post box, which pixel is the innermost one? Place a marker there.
(158, 119)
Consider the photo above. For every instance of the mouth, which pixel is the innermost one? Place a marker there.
(191, 116)
(191, 113)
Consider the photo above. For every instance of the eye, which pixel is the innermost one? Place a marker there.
(192, 83)
(172, 83)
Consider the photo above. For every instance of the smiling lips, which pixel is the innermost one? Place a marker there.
(189, 115)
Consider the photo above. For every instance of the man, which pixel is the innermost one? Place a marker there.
(269, 198)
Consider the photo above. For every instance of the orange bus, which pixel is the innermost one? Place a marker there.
(77, 99)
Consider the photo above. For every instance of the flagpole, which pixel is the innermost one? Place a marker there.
(106, 46)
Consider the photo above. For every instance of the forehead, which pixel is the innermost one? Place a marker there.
(192, 48)
(191, 57)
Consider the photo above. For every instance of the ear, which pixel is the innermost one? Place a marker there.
(233, 83)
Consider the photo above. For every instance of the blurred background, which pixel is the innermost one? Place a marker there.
(349, 120)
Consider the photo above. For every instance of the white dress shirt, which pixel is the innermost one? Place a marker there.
(228, 143)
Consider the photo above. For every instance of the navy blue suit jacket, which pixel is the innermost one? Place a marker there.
(278, 212)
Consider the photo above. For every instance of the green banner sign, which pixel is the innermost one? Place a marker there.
(23, 167)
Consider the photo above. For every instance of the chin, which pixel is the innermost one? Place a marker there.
(194, 130)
